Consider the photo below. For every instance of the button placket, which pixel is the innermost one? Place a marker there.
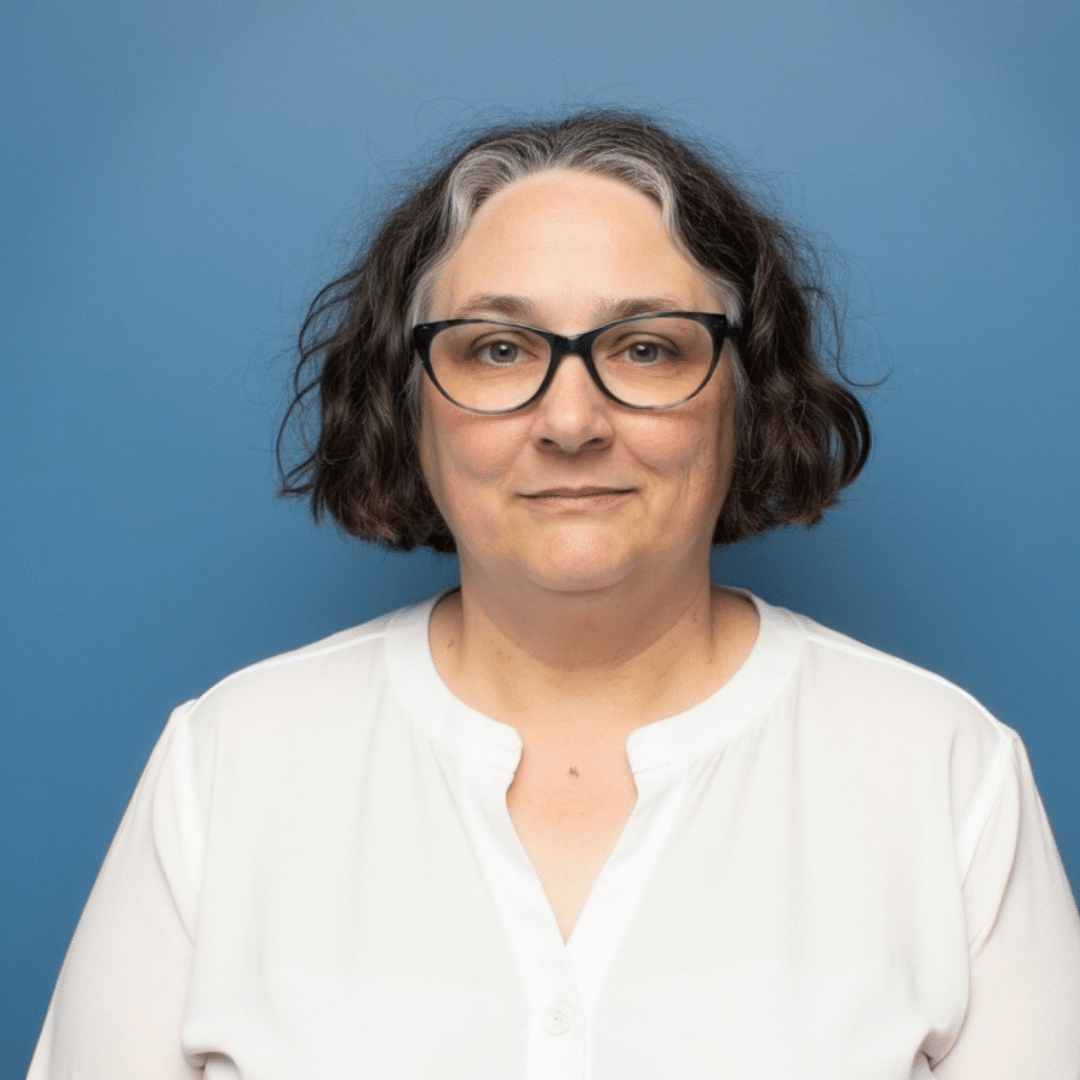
(556, 1041)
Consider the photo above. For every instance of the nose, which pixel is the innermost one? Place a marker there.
(573, 414)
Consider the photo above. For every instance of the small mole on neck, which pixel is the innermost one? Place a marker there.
(573, 770)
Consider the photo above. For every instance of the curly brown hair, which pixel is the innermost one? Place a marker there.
(802, 435)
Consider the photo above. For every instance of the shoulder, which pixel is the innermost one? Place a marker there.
(271, 743)
(856, 678)
(911, 728)
(290, 731)
(340, 678)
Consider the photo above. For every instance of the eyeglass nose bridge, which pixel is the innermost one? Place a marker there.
(579, 346)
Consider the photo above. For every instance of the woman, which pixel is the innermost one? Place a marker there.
(587, 816)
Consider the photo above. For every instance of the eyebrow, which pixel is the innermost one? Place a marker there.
(520, 309)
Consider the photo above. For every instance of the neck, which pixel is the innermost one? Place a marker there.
(614, 658)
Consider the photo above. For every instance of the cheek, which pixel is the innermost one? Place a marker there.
(462, 455)
(695, 452)
(468, 453)
(717, 440)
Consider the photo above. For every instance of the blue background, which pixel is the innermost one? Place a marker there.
(176, 180)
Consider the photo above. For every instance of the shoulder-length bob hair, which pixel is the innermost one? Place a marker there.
(802, 436)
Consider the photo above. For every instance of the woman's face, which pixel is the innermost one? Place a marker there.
(575, 492)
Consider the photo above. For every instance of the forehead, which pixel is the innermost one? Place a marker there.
(562, 239)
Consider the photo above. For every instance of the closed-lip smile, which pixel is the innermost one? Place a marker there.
(576, 492)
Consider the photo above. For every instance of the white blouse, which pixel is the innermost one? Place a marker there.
(837, 868)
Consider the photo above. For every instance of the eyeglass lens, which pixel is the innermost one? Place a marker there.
(645, 362)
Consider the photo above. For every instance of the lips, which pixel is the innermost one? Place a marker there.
(577, 492)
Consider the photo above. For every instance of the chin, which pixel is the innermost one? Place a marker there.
(581, 582)
(584, 566)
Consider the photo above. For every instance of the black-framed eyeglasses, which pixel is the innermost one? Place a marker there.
(653, 361)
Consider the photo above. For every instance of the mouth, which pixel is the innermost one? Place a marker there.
(577, 492)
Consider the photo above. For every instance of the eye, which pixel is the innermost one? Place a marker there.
(644, 352)
(649, 351)
(499, 352)
(497, 347)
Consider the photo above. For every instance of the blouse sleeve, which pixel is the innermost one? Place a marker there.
(1023, 1016)
(118, 1004)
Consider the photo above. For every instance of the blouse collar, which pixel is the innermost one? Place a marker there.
(700, 729)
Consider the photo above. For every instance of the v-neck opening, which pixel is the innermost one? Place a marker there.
(562, 977)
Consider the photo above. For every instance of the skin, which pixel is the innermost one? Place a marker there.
(583, 527)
